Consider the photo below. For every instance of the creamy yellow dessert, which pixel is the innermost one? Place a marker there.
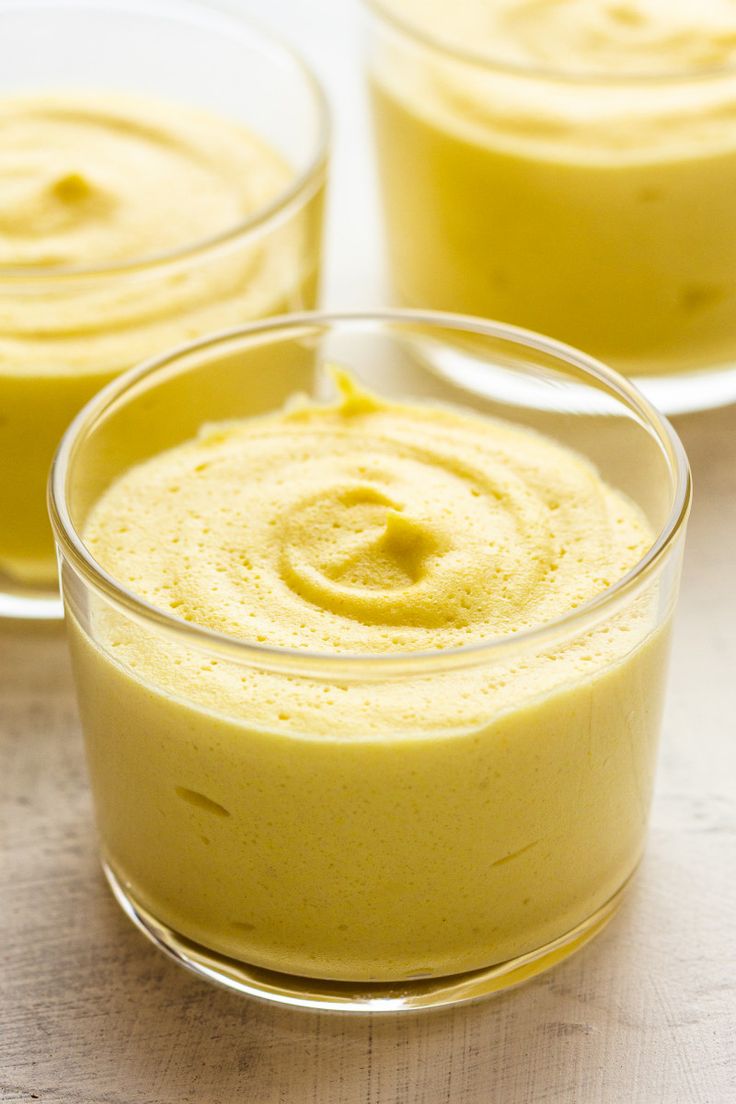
(369, 825)
(577, 177)
(113, 184)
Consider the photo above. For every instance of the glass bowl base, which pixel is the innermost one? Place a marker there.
(29, 603)
(340, 996)
(689, 392)
(490, 377)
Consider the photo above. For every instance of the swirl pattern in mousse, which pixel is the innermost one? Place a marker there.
(102, 183)
(94, 182)
(366, 526)
(329, 823)
(106, 179)
(585, 36)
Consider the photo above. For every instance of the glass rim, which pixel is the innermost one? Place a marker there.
(300, 186)
(72, 546)
(380, 10)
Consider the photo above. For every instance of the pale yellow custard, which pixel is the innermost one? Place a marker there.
(95, 191)
(583, 37)
(577, 177)
(383, 827)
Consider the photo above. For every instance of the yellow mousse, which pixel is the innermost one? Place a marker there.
(598, 210)
(100, 183)
(369, 826)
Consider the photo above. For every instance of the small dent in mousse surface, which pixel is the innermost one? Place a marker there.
(201, 801)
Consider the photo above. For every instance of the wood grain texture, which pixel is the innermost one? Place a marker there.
(91, 1014)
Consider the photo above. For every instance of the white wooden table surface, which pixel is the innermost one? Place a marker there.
(91, 1014)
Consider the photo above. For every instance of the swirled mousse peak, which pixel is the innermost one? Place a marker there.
(366, 525)
(109, 179)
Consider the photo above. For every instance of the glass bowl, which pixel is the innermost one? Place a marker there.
(597, 208)
(66, 331)
(426, 856)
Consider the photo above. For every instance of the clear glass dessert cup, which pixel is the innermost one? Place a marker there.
(53, 317)
(598, 209)
(441, 859)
